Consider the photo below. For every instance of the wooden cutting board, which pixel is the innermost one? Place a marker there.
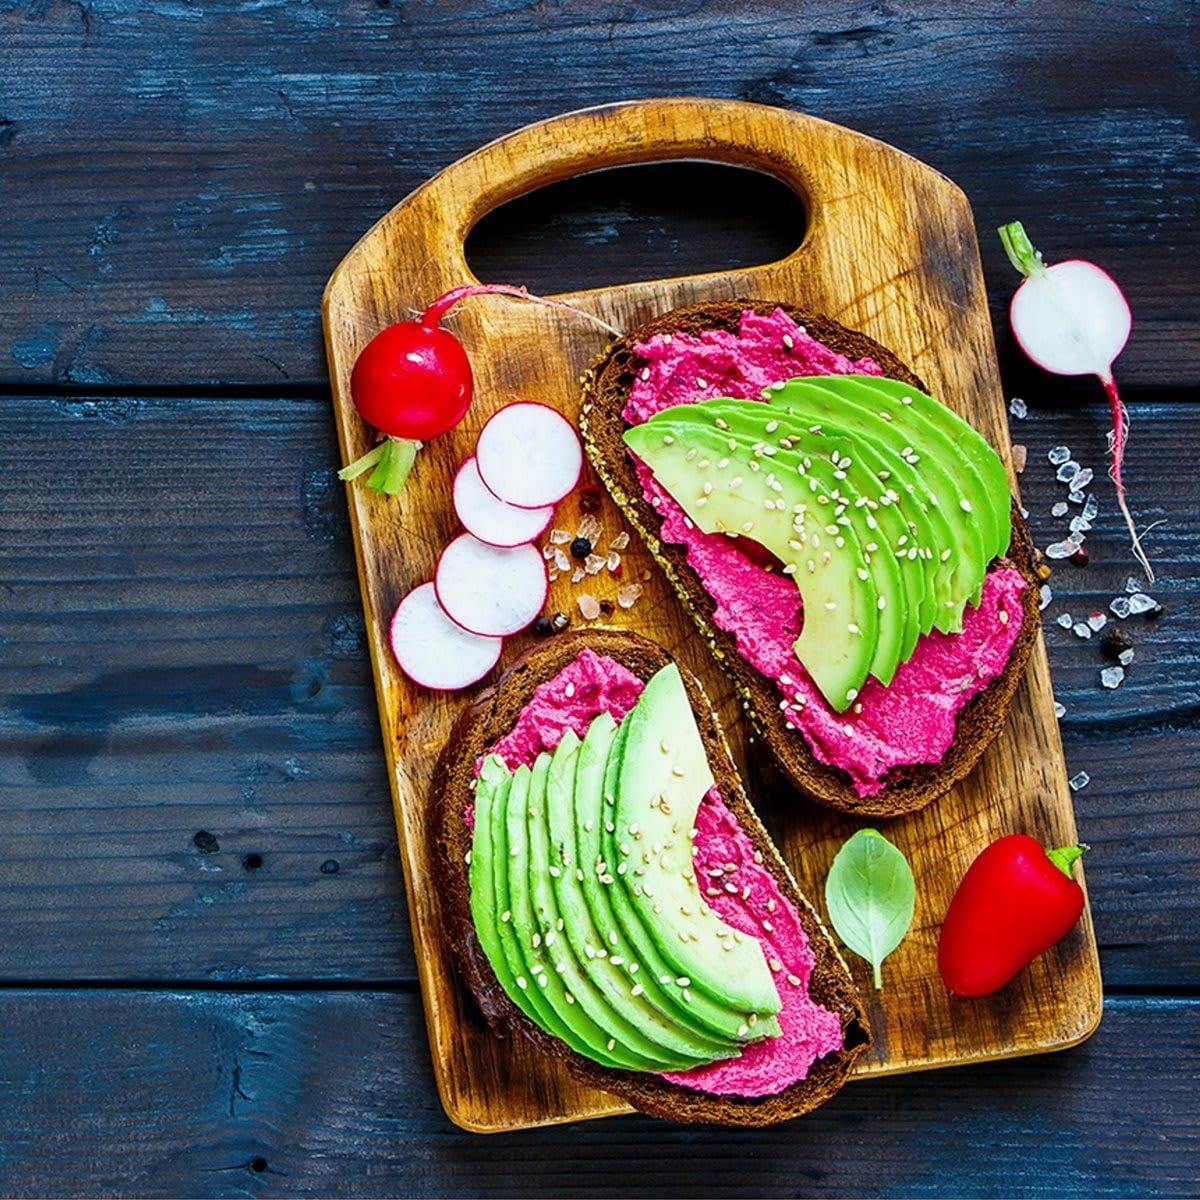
(890, 249)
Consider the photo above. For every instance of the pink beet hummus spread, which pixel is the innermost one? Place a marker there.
(913, 719)
(594, 683)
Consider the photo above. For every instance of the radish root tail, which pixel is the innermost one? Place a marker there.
(1117, 439)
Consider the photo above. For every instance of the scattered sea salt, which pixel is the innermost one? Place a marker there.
(577, 575)
(1081, 629)
(593, 564)
(1119, 607)
(1074, 540)
(1133, 584)
(1082, 479)
(1046, 595)
(1125, 657)
(1059, 509)
(589, 606)
(1080, 781)
(613, 560)
(547, 552)
(1075, 497)
(1139, 602)
(590, 528)
(1097, 621)
(1067, 471)
(1059, 455)
(628, 595)
(1066, 620)
(561, 561)
(1024, 512)
(559, 537)
(1080, 523)
(1091, 508)
(620, 541)
(1059, 709)
(1020, 455)
(1060, 550)
(1018, 408)
(1111, 677)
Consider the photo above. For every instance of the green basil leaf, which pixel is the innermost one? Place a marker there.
(870, 895)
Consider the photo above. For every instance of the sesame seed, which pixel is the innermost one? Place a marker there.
(506, 916)
(612, 1043)
(522, 982)
(743, 1030)
(851, 693)
(1003, 615)
(881, 603)
(668, 440)
(965, 504)
(794, 980)
(768, 926)
(645, 372)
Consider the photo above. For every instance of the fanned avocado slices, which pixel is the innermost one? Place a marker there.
(597, 930)
(905, 504)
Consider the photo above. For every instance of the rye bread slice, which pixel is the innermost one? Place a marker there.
(481, 725)
(606, 387)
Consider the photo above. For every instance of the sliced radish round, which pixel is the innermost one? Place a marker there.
(434, 651)
(489, 589)
(529, 455)
(490, 519)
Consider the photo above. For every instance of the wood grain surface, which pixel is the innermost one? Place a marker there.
(890, 250)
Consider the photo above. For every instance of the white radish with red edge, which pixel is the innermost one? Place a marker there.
(433, 650)
(1071, 318)
(491, 590)
(490, 519)
(528, 455)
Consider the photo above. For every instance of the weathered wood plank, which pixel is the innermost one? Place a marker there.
(182, 652)
(178, 182)
(321, 1094)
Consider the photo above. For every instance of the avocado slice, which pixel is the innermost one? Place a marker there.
(491, 797)
(841, 603)
(601, 950)
(663, 775)
(545, 986)
(623, 1039)
(794, 453)
(598, 847)
(959, 547)
(582, 832)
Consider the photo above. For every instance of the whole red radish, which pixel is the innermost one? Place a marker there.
(1015, 901)
(1071, 318)
(413, 382)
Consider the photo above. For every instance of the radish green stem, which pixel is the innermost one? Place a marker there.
(1020, 249)
(392, 459)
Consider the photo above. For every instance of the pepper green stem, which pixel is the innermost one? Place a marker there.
(1020, 249)
(1065, 856)
(392, 459)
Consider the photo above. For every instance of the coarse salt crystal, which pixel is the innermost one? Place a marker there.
(1046, 596)
(1133, 584)
(1020, 456)
(1097, 621)
(1119, 607)
(577, 575)
(629, 594)
(1082, 479)
(1080, 781)
(1067, 471)
(1018, 408)
(1066, 620)
(1075, 497)
(620, 541)
(1091, 508)
(590, 528)
(1081, 629)
(1112, 677)
(1059, 509)
(589, 606)
(593, 564)
(1125, 657)
(561, 561)
(613, 561)
(1061, 550)
(1059, 455)
(1059, 709)
(559, 537)
(1139, 603)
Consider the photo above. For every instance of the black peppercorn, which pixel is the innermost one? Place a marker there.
(542, 626)
(1115, 642)
(607, 608)
(581, 548)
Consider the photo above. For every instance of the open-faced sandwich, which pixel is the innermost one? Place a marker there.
(848, 546)
(613, 898)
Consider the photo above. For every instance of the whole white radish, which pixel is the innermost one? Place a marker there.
(1071, 318)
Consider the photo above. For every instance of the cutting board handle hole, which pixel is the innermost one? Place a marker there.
(645, 222)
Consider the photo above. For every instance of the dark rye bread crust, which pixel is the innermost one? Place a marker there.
(606, 387)
(488, 719)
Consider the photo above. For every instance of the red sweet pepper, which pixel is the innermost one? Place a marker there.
(1016, 900)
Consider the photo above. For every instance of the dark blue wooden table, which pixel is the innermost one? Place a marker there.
(206, 975)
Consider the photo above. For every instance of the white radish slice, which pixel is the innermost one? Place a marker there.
(490, 519)
(528, 455)
(435, 652)
(490, 590)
